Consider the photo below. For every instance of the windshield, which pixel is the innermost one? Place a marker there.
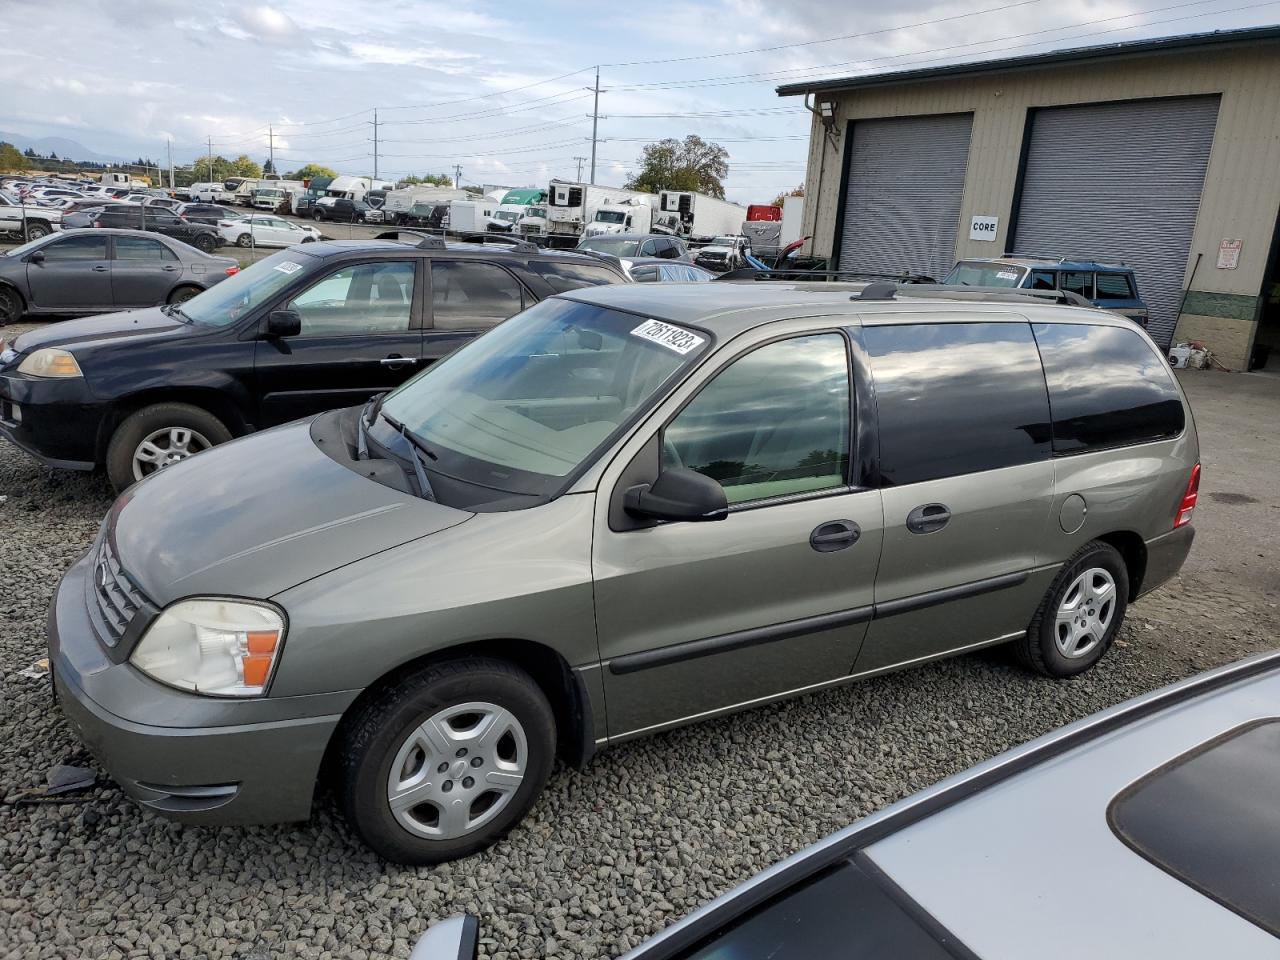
(510, 216)
(970, 274)
(536, 212)
(522, 407)
(614, 246)
(610, 216)
(228, 301)
(30, 245)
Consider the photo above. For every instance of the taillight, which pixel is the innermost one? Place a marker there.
(232, 271)
(1189, 498)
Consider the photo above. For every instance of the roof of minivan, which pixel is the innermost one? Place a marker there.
(728, 308)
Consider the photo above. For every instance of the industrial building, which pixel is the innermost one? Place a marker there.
(1161, 154)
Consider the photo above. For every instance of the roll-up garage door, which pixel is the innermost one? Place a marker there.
(902, 196)
(1120, 182)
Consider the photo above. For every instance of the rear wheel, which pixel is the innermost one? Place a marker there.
(1080, 615)
(10, 306)
(205, 243)
(157, 437)
(317, 216)
(244, 240)
(183, 294)
(446, 761)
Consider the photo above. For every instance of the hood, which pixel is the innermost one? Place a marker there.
(132, 324)
(260, 515)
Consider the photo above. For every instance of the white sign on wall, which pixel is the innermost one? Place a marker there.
(984, 228)
(1229, 254)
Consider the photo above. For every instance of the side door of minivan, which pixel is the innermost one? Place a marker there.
(965, 446)
(361, 334)
(694, 618)
(468, 297)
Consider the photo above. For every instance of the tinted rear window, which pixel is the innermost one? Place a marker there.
(1107, 387)
(572, 276)
(957, 398)
(1211, 818)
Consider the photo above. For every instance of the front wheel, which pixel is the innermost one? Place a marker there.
(445, 762)
(36, 231)
(10, 306)
(157, 437)
(318, 217)
(1080, 615)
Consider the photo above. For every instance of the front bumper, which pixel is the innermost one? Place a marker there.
(195, 759)
(59, 421)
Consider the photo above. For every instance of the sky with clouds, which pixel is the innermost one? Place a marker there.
(502, 88)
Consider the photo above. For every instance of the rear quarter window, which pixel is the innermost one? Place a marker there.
(1107, 387)
(572, 276)
(956, 398)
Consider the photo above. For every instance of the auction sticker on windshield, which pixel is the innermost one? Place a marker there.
(668, 335)
(1007, 274)
(288, 267)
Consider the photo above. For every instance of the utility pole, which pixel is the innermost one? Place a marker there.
(168, 147)
(580, 162)
(595, 120)
(375, 143)
(211, 159)
(271, 147)
(457, 176)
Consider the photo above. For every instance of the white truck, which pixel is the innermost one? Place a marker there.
(37, 221)
(571, 207)
(400, 204)
(354, 188)
(471, 216)
(116, 179)
(696, 216)
(626, 216)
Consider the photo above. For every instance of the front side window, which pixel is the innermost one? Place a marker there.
(1107, 387)
(467, 294)
(358, 299)
(957, 398)
(1043, 280)
(142, 248)
(76, 248)
(773, 423)
(522, 407)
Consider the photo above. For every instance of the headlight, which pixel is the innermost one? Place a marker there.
(226, 648)
(50, 362)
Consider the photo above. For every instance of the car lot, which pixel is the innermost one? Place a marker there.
(649, 831)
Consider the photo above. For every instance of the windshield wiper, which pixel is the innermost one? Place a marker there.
(417, 450)
(174, 310)
(365, 421)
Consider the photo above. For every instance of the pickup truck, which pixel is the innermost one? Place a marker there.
(40, 221)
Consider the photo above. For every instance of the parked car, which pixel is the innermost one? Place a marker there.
(158, 220)
(36, 221)
(1112, 287)
(342, 210)
(208, 213)
(653, 270)
(356, 320)
(101, 271)
(638, 245)
(1168, 800)
(163, 203)
(266, 232)
(430, 216)
(674, 498)
(722, 254)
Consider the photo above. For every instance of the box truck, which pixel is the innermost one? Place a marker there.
(696, 216)
(572, 206)
(763, 229)
(399, 205)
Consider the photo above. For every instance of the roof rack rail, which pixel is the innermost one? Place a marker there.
(816, 276)
(426, 241)
(515, 243)
(884, 290)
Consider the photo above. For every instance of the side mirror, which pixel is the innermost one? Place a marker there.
(452, 939)
(284, 323)
(677, 494)
(37, 257)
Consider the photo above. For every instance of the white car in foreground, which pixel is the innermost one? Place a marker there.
(259, 231)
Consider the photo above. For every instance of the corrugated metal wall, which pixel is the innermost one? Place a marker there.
(1120, 182)
(902, 199)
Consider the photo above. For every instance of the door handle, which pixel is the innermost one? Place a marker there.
(170, 268)
(100, 269)
(395, 360)
(928, 518)
(834, 535)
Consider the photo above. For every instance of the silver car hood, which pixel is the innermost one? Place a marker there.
(257, 516)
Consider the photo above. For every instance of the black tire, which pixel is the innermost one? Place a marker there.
(244, 240)
(1038, 649)
(308, 239)
(141, 423)
(11, 305)
(371, 738)
(317, 216)
(205, 243)
(37, 230)
(183, 294)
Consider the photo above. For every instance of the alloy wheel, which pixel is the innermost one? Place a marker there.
(164, 447)
(1085, 613)
(455, 772)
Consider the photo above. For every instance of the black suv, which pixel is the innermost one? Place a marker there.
(127, 216)
(341, 210)
(303, 331)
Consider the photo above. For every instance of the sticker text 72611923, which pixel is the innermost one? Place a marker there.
(668, 335)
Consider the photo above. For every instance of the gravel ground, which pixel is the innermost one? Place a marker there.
(608, 856)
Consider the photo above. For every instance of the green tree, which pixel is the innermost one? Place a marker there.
(689, 164)
(242, 166)
(11, 158)
(215, 169)
(429, 179)
(794, 192)
(268, 167)
(310, 172)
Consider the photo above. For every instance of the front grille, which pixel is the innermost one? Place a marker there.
(118, 599)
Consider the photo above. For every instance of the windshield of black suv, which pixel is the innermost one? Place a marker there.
(235, 296)
(969, 273)
(524, 406)
(613, 246)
